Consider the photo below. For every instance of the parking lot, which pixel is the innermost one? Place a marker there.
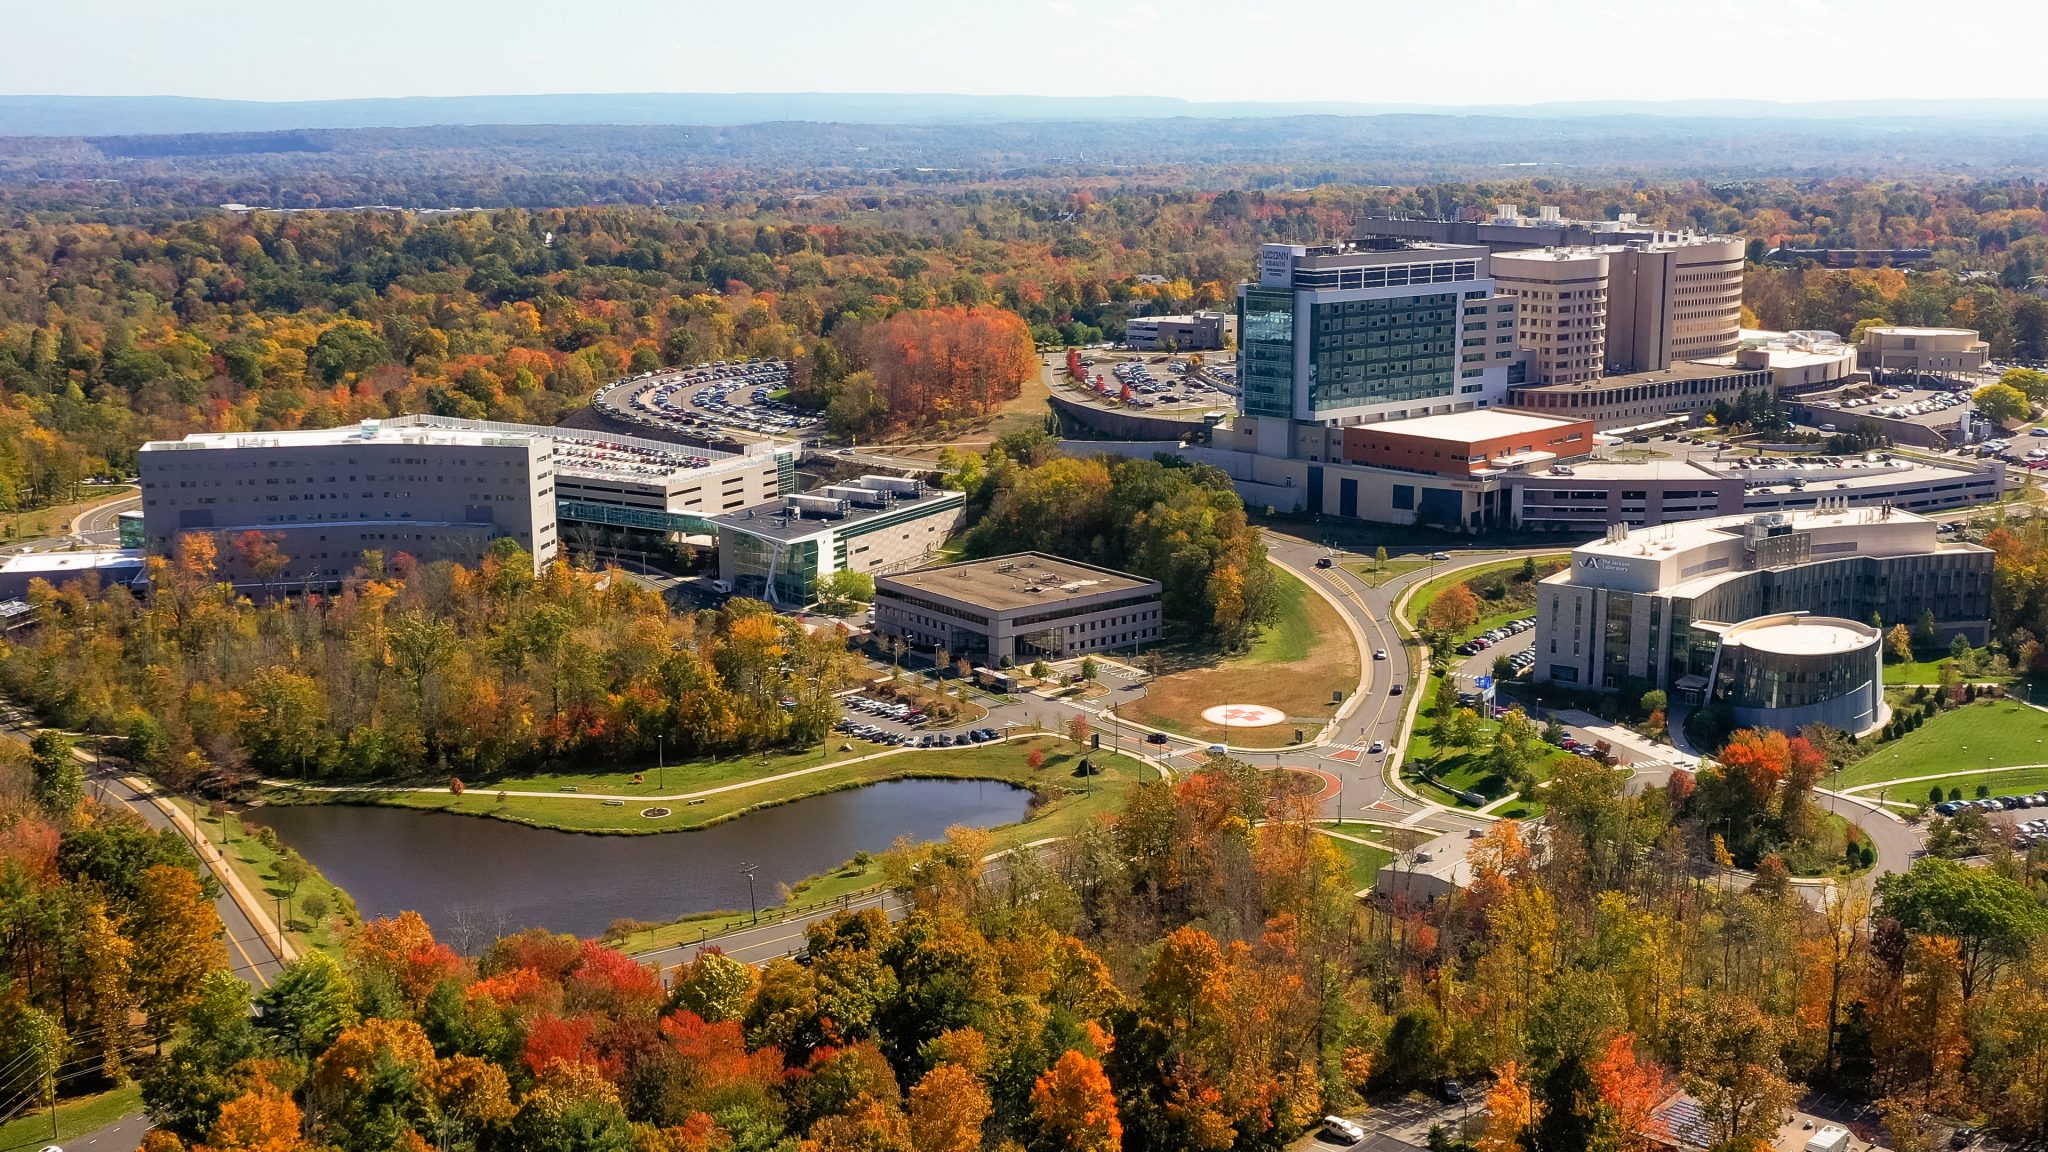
(730, 397)
(2008, 810)
(903, 725)
(1157, 381)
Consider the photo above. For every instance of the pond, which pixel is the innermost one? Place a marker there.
(475, 879)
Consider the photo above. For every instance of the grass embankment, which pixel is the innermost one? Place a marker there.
(1825, 854)
(1396, 567)
(1293, 665)
(589, 813)
(1929, 671)
(1068, 804)
(76, 1117)
(256, 864)
(2009, 782)
(55, 520)
(1987, 734)
(1502, 595)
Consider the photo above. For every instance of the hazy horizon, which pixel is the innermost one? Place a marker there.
(1309, 51)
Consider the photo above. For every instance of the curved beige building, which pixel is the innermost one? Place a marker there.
(1615, 309)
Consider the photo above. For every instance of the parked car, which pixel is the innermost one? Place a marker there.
(1341, 1131)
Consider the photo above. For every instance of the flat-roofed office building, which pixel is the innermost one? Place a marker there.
(326, 496)
(1021, 607)
(1650, 606)
(778, 551)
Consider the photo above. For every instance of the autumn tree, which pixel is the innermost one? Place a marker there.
(1073, 1108)
(175, 926)
(1452, 611)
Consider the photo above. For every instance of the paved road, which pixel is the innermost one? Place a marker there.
(96, 527)
(123, 1135)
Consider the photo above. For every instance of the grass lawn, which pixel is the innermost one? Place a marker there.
(986, 762)
(1418, 606)
(672, 778)
(1987, 734)
(1295, 663)
(2016, 782)
(1364, 859)
(1395, 568)
(75, 1118)
(257, 867)
(56, 519)
(1929, 672)
(1465, 769)
(1072, 805)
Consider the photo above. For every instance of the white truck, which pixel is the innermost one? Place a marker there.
(1830, 1138)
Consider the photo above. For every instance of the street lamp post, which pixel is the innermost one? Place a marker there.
(660, 766)
(753, 909)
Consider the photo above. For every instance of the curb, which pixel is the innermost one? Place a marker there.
(210, 854)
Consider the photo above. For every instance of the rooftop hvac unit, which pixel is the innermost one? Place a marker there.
(799, 504)
(897, 484)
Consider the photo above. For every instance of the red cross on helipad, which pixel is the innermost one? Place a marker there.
(1244, 714)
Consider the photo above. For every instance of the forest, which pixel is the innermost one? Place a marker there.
(1193, 973)
(117, 330)
(410, 669)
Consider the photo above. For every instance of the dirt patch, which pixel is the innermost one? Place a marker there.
(1299, 687)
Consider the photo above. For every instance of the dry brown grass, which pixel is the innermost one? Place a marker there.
(1273, 673)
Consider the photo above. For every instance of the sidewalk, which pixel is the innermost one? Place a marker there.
(209, 854)
(1620, 737)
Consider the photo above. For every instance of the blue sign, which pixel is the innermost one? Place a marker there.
(1483, 683)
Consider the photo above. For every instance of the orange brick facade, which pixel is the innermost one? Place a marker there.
(1381, 447)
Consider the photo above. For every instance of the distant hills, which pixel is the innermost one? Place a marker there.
(156, 115)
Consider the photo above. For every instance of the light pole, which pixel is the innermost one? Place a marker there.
(660, 766)
(747, 870)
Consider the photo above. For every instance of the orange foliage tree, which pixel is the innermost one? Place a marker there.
(1074, 1108)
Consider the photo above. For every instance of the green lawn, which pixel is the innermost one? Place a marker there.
(673, 777)
(1292, 634)
(1074, 805)
(1395, 568)
(1929, 672)
(986, 762)
(1988, 734)
(1364, 859)
(1465, 769)
(2017, 782)
(75, 1118)
(257, 867)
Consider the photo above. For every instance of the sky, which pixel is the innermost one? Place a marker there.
(1372, 51)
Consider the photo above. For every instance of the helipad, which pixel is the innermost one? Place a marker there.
(1244, 715)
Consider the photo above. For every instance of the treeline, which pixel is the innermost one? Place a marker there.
(930, 367)
(1195, 973)
(412, 669)
(108, 929)
(1182, 525)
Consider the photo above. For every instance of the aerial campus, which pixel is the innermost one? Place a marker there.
(1428, 668)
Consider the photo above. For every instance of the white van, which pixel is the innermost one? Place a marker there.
(722, 587)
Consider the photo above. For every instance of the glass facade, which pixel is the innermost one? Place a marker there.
(1753, 678)
(793, 567)
(1377, 351)
(1265, 351)
(1621, 608)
